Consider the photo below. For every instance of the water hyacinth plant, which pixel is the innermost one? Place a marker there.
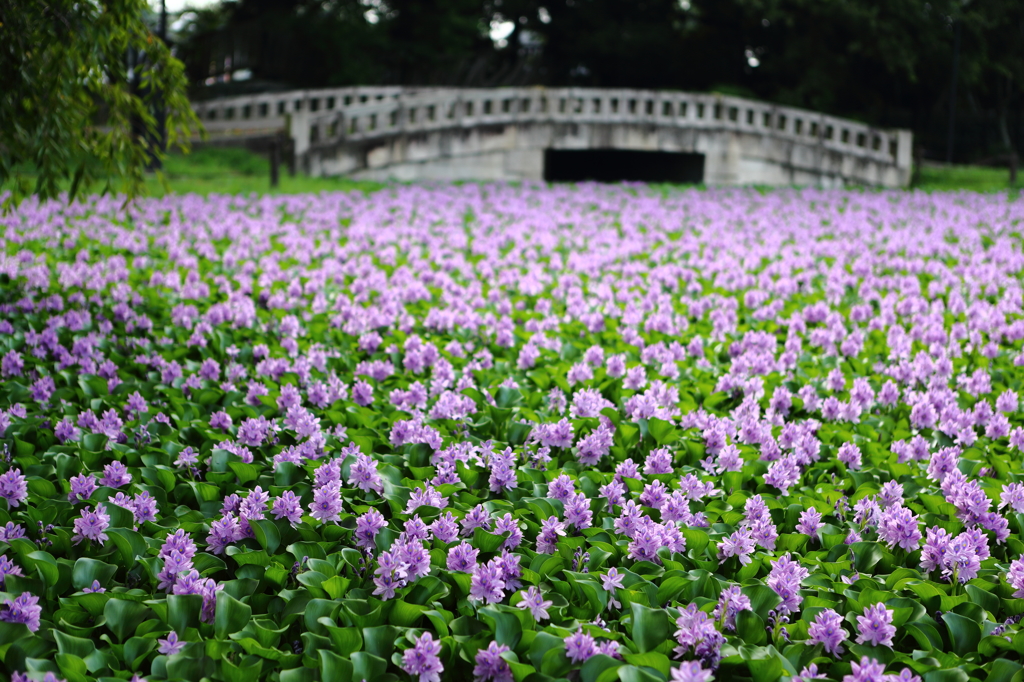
(529, 433)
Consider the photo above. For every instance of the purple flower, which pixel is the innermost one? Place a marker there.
(1015, 576)
(579, 646)
(326, 505)
(478, 517)
(170, 645)
(510, 570)
(487, 584)
(187, 457)
(363, 474)
(577, 511)
(22, 609)
(785, 578)
(810, 522)
(827, 630)
(220, 420)
(535, 602)
(136, 403)
(658, 462)
(91, 525)
(936, 544)
(389, 575)
(223, 532)
(66, 430)
(899, 526)
(612, 580)
(868, 670)
(82, 487)
(422, 659)
(175, 563)
(144, 507)
(849, 454)
(698, 636)
(740, 544)
(12, 365)
(8, 567)
(691, 671)
(115, 475)
(508, 524)
(288, 507)
(730, 602)
(362, 393)
(367, 527)
(875, 626)
(13, 487)
(178, 541)
(95, 588)
(11, 531)
(550, 529)
(490, 665)
(425, 497)
(253, 432)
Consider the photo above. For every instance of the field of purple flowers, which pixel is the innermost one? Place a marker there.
(513, 433)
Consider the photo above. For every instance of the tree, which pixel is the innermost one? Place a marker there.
(80, 82)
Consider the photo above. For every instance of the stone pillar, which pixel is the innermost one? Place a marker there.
(721, 151)
(297, 123)
(904, 156)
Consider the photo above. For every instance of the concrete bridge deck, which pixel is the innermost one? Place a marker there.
(526, 133)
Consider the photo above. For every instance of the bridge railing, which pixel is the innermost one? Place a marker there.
(332, 116)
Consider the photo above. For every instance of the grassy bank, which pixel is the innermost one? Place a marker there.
(238, 171)
(976, 178)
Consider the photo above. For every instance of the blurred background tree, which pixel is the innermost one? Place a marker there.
(82, 88)
(886, 62)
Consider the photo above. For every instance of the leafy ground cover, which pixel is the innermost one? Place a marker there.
(513, 433)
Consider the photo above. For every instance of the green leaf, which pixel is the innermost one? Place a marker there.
(333, 667)
(766, 669)
(380, 640)
(650, 627)
(964, 633)
(1003, 670)
(595, 665)
(487, 542)
(267, 534)
(950, 675)
(231, 615)
(631, 673)
(88, 570)
(762, 599)
(405, 615)
(750, 628)
(129, 543)
(184, 611)
(124, 617)
(366, 666)
(662, 431)
(242, 672)
(651, 659)
(345, 640)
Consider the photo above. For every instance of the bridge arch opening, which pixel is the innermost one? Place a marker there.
(622, 165)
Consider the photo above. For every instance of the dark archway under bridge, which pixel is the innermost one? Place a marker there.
(622, 165)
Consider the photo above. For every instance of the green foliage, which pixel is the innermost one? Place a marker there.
(81, 83)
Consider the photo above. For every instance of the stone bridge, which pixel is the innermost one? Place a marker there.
(537, 133)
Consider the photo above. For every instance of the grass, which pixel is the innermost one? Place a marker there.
(213, 170)
(977, 178)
